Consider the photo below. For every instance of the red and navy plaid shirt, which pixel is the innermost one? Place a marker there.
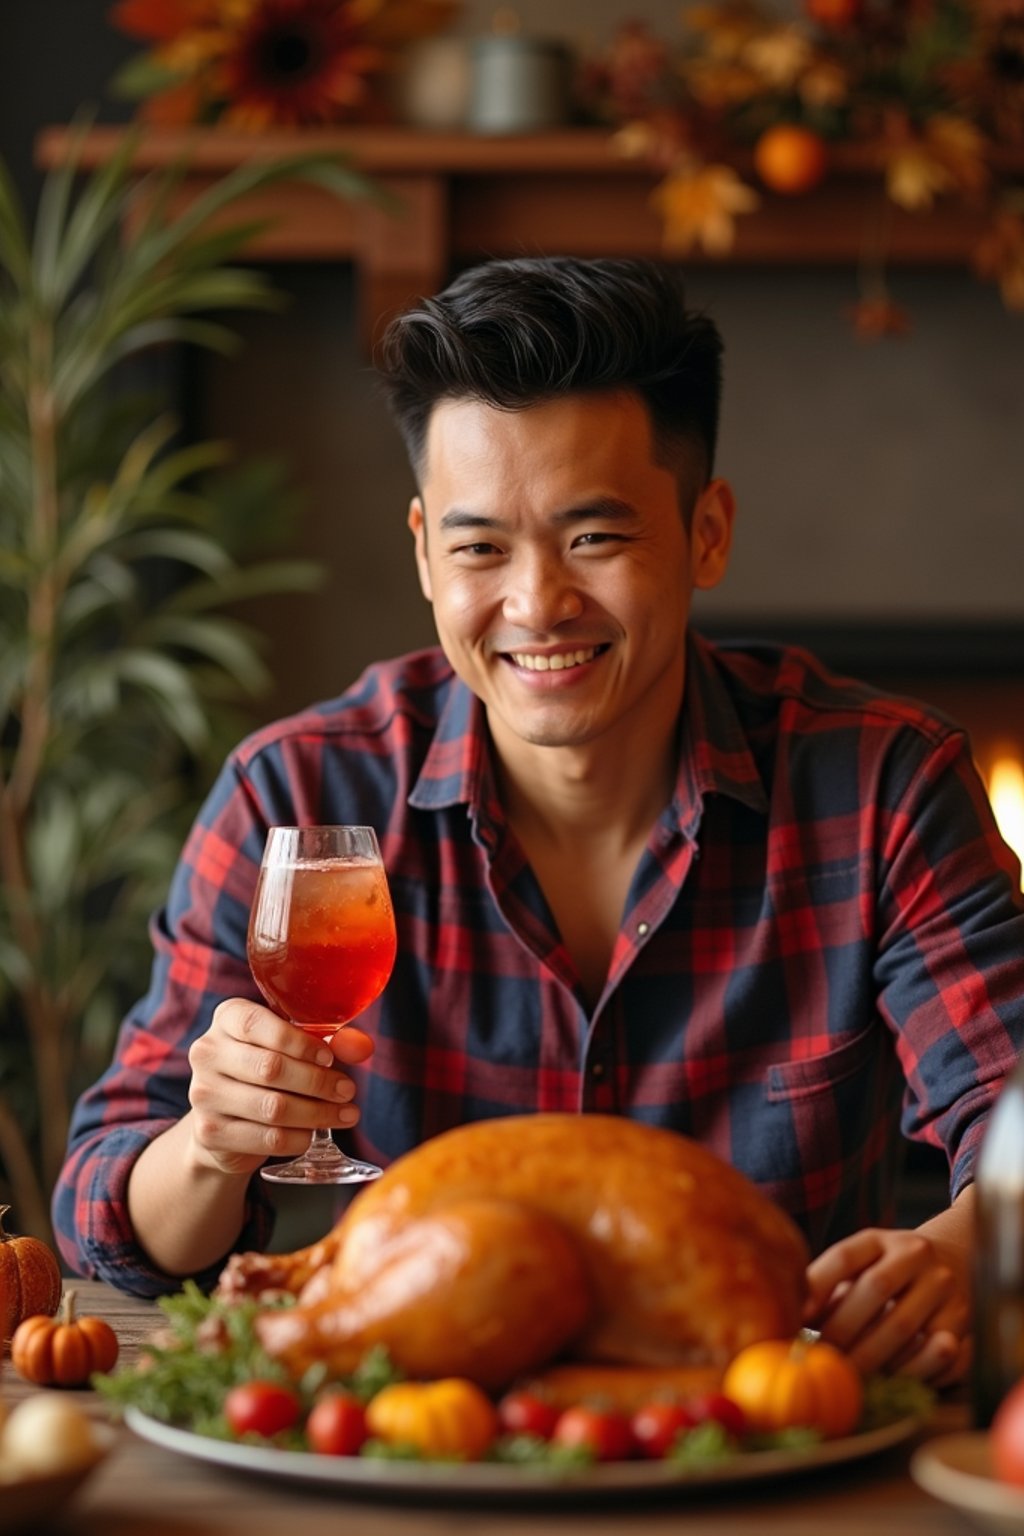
(823, 944)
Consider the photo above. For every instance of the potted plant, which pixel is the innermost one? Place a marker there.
(121, 546)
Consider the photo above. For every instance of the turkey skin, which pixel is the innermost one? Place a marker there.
(500, 1247)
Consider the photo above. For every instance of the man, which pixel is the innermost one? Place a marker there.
(714, 889)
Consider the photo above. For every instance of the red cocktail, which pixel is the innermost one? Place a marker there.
(321, 948)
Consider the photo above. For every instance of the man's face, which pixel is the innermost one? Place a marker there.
(554, 551)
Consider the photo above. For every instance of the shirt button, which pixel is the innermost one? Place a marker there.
(643, 929)
(597, 1070)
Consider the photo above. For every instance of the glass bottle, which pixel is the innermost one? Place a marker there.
(999, 1253)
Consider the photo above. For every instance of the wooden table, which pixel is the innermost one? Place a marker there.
(141, 1488)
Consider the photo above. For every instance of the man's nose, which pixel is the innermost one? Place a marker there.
(540, 595)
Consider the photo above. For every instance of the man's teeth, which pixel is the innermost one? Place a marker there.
(557, 663)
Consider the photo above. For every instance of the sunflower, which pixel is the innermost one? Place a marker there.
(254, 63)
(295, 62)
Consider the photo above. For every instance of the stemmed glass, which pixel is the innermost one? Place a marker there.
(321, 948)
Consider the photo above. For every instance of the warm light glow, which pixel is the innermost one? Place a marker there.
(1006, 792)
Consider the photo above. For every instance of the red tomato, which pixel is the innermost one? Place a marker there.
(337, 1425)
(657, 1425)
(604, 1431)
(522, 1412)
(261, 1408)
(714, 1405)
(1007, 1437)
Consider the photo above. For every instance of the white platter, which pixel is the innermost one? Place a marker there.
(483, 1480)
(957, 1469)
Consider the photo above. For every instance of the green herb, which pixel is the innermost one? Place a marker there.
(531, 1450)
(388, 1450)
(210, 1346)
(374, 1372)
(704, 1445)
(797, 1437)
(890, 1398)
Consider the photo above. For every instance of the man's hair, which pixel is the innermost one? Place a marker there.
(521, 332)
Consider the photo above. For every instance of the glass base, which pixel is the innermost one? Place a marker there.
(321, 1170)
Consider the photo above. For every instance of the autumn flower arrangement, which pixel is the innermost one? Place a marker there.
(931, 93)
(254, 64)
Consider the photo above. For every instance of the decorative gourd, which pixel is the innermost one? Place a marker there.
(451, 1417)
(64, 1351)
(30, 1279)
(782, 1383)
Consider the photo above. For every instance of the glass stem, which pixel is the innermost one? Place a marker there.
(323, 1149)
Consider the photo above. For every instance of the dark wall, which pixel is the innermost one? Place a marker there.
(56, 58)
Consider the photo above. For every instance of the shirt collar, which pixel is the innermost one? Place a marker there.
(457, 767)
(715, 757)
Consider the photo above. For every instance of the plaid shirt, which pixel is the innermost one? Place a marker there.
(822, 945)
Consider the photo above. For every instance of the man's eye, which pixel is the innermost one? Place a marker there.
(477, 550)
(592, 540)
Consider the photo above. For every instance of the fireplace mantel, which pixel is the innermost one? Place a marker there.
(462, 196)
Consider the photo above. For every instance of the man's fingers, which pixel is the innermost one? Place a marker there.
(885, 1336)
(351, 1045)
(941, 1358)
(844, 1261)
(883, 1270)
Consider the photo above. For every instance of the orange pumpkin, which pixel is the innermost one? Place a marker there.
(783, 1383)
(64, 1351)
(29, 1279)
(451, 1417)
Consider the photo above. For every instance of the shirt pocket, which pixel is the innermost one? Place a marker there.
(802, 1079)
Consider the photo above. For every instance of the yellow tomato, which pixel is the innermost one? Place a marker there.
(785, 1383)
(452, 1417)
(790, 159)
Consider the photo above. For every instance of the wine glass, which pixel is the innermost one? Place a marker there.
(321, 947)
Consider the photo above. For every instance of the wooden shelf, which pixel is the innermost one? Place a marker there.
(462, 196)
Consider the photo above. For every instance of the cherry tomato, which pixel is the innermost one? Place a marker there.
(604, 1431)
(522, 1412)
(657, 1425)
(715, 1405)
(336, 1425)
(261, 1408)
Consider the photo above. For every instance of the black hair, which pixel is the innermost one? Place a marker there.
(520, 332)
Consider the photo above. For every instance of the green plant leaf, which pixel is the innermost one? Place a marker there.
(15, 252)
(97, 214)
(140, 77)
(276, 576)
(139, 676)
(227, 644)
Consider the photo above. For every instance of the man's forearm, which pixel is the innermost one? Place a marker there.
(186, 1215)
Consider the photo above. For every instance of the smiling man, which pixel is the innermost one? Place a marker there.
(711, 888)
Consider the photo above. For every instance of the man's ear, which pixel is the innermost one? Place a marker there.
(417, 525)
(711, 533)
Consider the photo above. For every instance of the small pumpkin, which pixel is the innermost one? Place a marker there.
(30, 1279)
(783, 1383)
(64, 1351)
(450, 1417)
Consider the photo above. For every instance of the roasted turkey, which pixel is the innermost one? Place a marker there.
(500, 1247)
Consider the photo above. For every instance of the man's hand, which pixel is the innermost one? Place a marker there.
(895, 1300)
(260, 1086)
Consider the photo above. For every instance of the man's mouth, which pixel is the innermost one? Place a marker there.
(554, 661)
